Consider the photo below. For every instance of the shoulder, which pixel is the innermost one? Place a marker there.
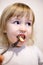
(39, 53)
(38, 49)
(35, 49)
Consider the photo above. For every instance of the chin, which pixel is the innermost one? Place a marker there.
(19, 45)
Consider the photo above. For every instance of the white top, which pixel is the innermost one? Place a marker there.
(25, 55)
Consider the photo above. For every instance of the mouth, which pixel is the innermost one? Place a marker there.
(21, 37)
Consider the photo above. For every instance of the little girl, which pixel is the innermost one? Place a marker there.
(16, 36)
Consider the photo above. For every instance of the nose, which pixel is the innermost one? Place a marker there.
(22, 28)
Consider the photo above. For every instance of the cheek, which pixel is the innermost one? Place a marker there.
(12, 33)
(29, 31)
(12, 29)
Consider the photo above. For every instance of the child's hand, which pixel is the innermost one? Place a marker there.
(1, 59)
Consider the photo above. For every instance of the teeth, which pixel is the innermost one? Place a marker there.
(21, 39)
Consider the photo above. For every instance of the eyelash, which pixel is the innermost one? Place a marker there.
(29, 24)
(17, 22)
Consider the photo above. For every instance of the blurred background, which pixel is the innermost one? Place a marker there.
(37, 7)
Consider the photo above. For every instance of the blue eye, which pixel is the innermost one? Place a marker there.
(28, 23)
(16, 22)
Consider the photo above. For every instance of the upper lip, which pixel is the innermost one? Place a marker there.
(22, 34)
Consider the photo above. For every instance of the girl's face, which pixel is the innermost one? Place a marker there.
(19, 26)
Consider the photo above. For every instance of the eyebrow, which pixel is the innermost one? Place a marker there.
(18, 18)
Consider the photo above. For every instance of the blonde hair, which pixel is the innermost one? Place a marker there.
(17, 9)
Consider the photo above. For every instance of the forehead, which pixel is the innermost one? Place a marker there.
(19, 12)
(26, 15)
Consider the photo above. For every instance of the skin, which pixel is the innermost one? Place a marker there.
(16, 26)
(1, 58)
